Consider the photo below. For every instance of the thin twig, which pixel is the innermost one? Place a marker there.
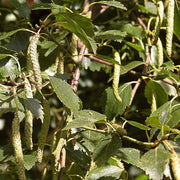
(101, 61)
(139, 80)
(142, 23)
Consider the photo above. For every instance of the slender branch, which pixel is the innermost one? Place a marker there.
(139, 80)
(146, 145)
(101, 61)
(142, 23)
(75, 79)
(54, 40)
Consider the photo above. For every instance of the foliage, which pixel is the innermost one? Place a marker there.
(90, 115)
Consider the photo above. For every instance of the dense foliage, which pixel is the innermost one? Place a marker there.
(89, 89)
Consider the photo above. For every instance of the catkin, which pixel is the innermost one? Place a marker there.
(29, 116)
(16, 141)
(44, 130)
(159, 20)
(175, 164)
(160, 52)
(116, 76)
(74, 46)
(33, 66)
(169, 27)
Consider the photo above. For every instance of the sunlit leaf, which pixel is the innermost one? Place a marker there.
(79, 25)
(134, 46)
(114, 107)
(106, 148)
(154, 162)
(115, 35)
(108, 171)
(114, 4)
(7, 103)
(130, 66)
(8, 67)
(5, 35)
(86, 118)
(29, 160)
(154, 88)
(138, 125)
(65, 94)
(35, 107)
(130, 156)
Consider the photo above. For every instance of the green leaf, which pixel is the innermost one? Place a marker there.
(106, 172)
(154, 88)
(90, 139)
(86, 118)
(163, 113)
(74, 154)
(154, 162)
(113, 107)
(175, 114)
(65, 94)
(113, 4)
(130, 66)
(50, 45)
(135, 46)
(170, 90)
(115, 35)
(35, 107)
(130, 156)
(46, 6)
(138, 125)
(153, 121)
(5, 35)
(106, 148)
(132, 30)
(79, 25)
(29, 160)
(8, 67)
(149, 7)
(7, 103)
(96, 66)
(106, 58)
(74, 169)
(21, 7)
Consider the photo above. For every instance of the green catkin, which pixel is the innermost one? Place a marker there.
(59, 64)
(44, 130)
(160, 52)
(175, 164)
(16, 141)
(116, 76)
(169, 27)
(153, 103)
(57, 154)
(74, 48)
(28, 116)
(159, 20)
(33, 66)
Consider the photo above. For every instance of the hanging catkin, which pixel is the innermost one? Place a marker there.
(116, 76)
(33, 66)
(160, 52)
(169, 27)
(44, 130)
(16, 142)
(175, 163)
(74, 48)
(159, 20)
(28, 116)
